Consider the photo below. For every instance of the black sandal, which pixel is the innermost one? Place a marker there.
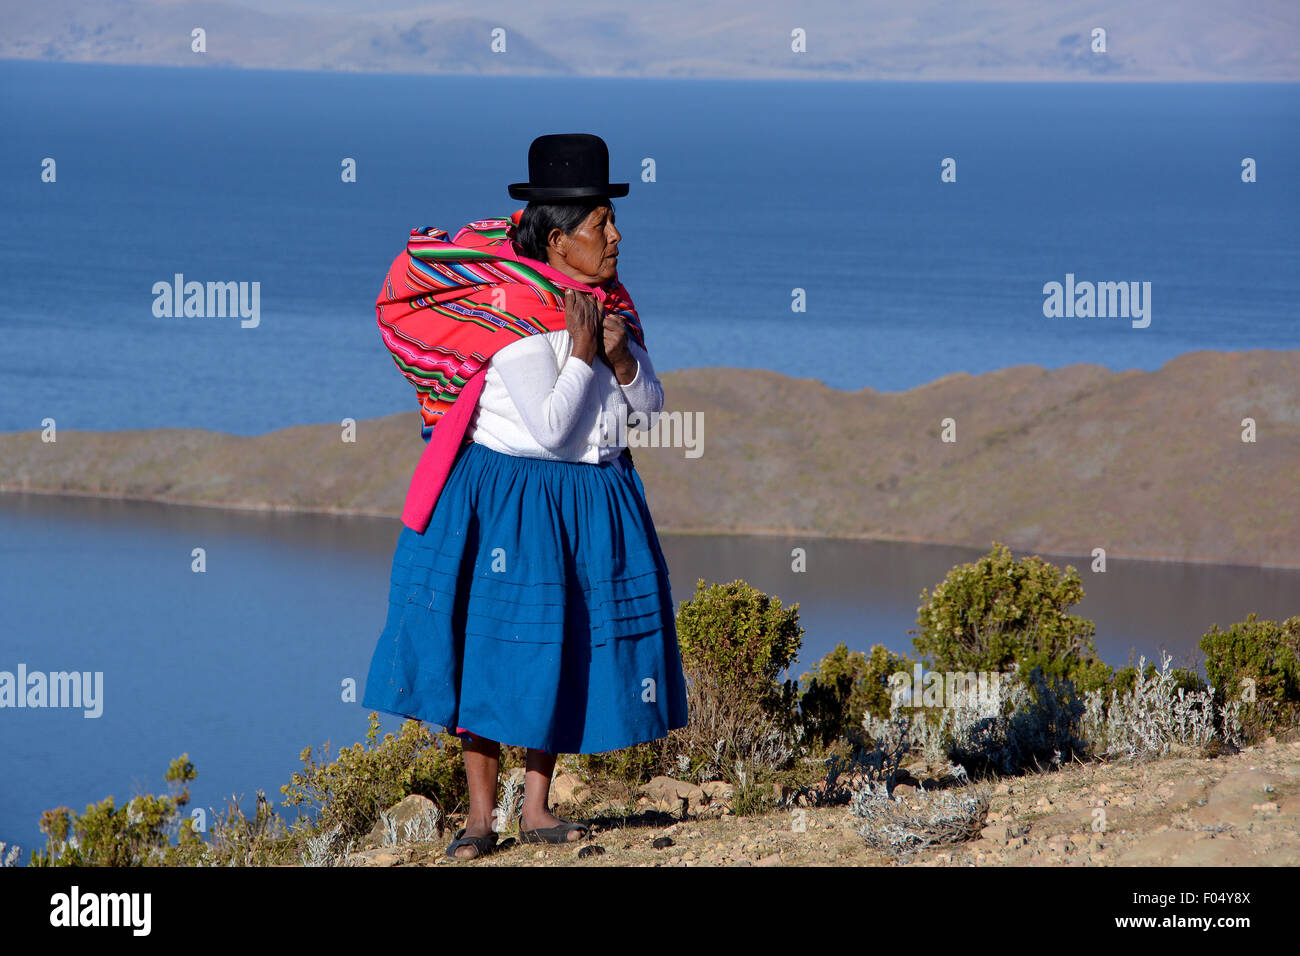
(556, 834)
(483, 844)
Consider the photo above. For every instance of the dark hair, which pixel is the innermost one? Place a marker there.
(538, 219)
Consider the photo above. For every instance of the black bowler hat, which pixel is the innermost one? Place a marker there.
(567, 166)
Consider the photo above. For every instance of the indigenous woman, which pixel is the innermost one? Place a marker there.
(529, 601)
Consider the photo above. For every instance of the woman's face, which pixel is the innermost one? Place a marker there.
(589, 253)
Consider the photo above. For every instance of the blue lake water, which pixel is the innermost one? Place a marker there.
(242, 666)
(761, 187)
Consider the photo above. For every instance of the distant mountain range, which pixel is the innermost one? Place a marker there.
(1026, 40)
(1142, 464)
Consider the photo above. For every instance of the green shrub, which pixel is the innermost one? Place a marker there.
(351, 792)
(735, 642)
(632, 765)
(844, 687)
(235, 840)
(752, 798)
(134, 834)
(998, 612)
(1266, 653)
(742, 637)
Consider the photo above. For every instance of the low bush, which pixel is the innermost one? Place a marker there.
(1258, 664)
(735, 643)
(348, 795)
(631, 765)
(999, 613)
(138, 833)
(843, 688)
(945, 818)
(743, 639)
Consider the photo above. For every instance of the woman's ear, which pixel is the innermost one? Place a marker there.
(555, 240)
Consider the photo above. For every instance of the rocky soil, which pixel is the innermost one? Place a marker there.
(1188, 809)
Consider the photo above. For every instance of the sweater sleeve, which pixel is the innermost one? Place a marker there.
(645, 393)
(550, 400)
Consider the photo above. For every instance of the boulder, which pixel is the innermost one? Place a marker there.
(416, 817)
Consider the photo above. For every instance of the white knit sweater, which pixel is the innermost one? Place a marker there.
(540, 401)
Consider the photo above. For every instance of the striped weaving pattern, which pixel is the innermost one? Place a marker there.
(449, 303)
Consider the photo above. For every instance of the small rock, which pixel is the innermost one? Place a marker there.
(378, 857)
(995, 833)
(717, 790)
(673, 796)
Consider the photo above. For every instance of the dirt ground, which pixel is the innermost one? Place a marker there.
(1186, 809)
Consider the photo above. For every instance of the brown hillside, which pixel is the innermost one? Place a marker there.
(1144, 464)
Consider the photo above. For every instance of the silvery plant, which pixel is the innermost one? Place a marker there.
(933, 819)
(511, 805)
(421, 828)
(1043, 720)
(327, 849)
(1035, 723)
(1152, 716)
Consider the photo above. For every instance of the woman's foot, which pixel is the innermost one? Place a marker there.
(473, 828)
(536, 813)
(482, 757)
(543, 819)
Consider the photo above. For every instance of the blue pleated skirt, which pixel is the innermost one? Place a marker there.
(534, 610)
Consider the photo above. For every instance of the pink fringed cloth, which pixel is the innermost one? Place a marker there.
(446, 307)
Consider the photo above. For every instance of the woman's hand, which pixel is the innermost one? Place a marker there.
(617, 354)
(582, 321)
